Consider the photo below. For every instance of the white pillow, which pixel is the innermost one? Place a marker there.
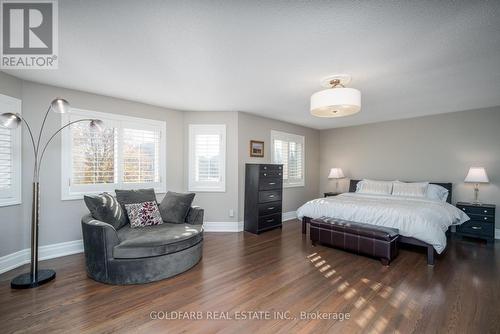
(437, 193)
(414, 189)
(374, 187)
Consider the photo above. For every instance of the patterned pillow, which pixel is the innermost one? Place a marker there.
(143, 214)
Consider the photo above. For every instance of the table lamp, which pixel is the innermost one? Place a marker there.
(476, 175)
(336, 173)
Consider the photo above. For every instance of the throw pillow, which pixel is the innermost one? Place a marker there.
(105, 207)
(134, 196)
(143, 214)
(175, 207)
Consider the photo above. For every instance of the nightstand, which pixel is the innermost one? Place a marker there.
(482, 221)
(331, 194)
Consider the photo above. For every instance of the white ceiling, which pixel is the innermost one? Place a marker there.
(408, 58)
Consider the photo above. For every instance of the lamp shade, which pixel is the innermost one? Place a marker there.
(60, 106)
(477, 175)
(336, 102)
(9, 120)
(336, 173)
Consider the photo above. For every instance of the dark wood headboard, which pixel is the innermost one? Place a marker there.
(448, 186)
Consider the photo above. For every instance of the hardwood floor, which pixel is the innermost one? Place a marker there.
(277, 271)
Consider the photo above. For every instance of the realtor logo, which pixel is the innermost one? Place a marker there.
(29, 34)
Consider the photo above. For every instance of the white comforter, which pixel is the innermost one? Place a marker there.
(422, 219)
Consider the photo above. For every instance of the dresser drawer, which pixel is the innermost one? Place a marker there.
(276, 173)
(269, 196)
(476, 227)
(270, 183)
(482, 218)
(270, 167)
(269, 208)
(478, 210)
(269, 221)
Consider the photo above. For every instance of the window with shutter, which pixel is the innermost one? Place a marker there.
(93, 155)
(141, 156)
(207, 147)
(10, 155)
(128, 154)
(288, 149)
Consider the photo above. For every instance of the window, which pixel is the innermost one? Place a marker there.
(128, 154)
(288, 149)
(207, 157)
(10, 155)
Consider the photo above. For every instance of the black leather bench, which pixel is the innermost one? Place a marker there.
(375, 241)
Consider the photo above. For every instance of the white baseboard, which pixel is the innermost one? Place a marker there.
(289, 215)
(223, 226)
(238, 226)
(21, 257)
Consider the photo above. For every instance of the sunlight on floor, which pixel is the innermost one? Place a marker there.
(367, 319)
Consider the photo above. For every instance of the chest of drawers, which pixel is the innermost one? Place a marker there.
(263, 197)
(482, 221)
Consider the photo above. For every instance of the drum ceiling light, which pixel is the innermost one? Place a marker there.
(336, 100)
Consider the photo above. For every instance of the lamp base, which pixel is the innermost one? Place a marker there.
(24, 281)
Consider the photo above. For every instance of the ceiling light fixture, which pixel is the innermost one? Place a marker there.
(336, 100)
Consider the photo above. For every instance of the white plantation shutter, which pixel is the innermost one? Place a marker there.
(128, 154)
(93, 155)
(141, 156)
(6, 162)
(280, 156)
(207, 157)
(288, 149)
(10, 155)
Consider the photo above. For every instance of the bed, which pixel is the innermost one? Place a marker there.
(421, 222)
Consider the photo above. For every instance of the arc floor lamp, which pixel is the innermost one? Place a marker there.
(37, 277)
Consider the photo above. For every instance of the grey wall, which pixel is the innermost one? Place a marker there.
(434, 148)
(218, 203)
(259, 128)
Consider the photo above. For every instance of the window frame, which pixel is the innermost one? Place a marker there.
(120, 122)
(290, 137)
(15, 194)
(200, 186)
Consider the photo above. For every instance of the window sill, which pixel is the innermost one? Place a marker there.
(293, 185)
(205, 190)
(10, 202)
(79, 196)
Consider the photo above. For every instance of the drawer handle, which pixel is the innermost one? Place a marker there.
(485, 218)
(476, 227)
(463, 209)
(271, 208)
(269, 220)
(485, 211)
(279, 174)
(265, 174)
(265, 167)
(271, 196)
(272, 183)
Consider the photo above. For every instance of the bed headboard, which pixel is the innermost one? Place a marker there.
(448, 186)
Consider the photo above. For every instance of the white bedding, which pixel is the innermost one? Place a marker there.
(419, 218)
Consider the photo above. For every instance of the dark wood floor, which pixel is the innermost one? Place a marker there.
(276, 271)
